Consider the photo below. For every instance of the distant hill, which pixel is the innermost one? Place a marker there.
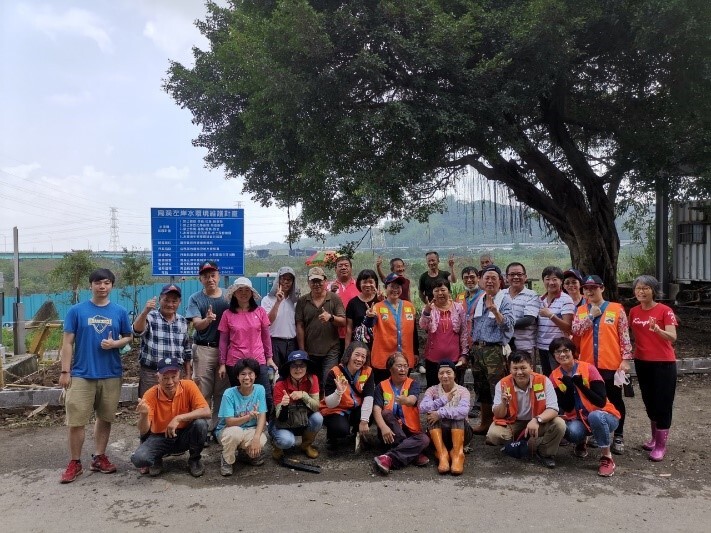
(463, 223)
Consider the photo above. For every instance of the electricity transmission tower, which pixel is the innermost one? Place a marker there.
(114, 244)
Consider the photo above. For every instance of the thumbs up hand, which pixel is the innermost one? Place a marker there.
(109, 342)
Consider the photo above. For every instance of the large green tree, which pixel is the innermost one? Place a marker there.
(355, 110)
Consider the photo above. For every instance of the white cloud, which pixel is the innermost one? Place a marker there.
(171, 27)
(21, 171)
(73, 21)
(172, 173)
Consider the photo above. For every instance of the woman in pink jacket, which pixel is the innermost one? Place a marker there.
(244, 332)
(445, 322)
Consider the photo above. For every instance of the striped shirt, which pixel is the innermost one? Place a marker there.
(525, 303)
(164, 339)
(547, 330)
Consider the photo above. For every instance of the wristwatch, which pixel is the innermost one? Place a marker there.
(539, 420)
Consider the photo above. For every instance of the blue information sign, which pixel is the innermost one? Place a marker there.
(183, 239)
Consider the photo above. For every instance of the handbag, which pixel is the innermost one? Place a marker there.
(295, 417)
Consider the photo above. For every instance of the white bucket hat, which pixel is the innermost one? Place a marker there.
(241, 282)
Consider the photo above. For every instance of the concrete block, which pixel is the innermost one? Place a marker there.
(19, 366)
(27, 397)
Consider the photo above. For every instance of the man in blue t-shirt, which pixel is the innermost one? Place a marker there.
(94, 332)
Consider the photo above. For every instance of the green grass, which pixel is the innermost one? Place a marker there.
(53, 342)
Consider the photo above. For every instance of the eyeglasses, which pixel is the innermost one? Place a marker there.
(469, 277)
(298, 365)
(316, 281)
(563, 351)
(400, 367)
(643, 289)
(516, 274)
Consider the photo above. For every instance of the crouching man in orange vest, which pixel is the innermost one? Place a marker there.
(398, 418)
(525, 401)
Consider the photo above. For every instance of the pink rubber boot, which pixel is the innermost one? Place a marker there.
(649, 445)
(660, 445)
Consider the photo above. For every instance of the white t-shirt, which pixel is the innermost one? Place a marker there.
(284, 326)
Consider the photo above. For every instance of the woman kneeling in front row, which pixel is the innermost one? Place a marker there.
(296, 406)
(446, 407)
(242, 418)
(583, 400)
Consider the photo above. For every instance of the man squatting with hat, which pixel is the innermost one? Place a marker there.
(163, 333)
(171, 419)
(204, 310)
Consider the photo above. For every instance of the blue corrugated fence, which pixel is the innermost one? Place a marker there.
(62, 300)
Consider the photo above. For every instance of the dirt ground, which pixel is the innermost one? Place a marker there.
(686, 468)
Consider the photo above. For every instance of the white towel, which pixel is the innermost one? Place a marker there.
(480, 306)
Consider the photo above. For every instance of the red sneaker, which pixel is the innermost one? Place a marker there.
(607, 467)
(383, 463)
(101, 463)
(73, 470)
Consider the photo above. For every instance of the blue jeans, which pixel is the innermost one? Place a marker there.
(575, 431)
(155, 445)
(285, 438)
(602, 424)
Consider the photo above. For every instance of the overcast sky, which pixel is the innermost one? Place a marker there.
(85, 125)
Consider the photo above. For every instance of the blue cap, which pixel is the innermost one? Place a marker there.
(394, 278)
(171, 288)
(168, 363)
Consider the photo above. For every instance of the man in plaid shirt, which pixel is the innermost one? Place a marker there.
(163, 333)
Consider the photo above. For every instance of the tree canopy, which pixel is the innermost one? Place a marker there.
(362, 109)
(72, 271)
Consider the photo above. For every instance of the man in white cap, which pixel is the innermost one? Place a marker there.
(319, 314)
(163, 333)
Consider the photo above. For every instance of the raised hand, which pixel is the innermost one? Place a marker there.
(595, 311)
(211, 316)
(150, 305)
(379, 262)
(428, 306)
(450, 261)
(324, 315)
(370, 312)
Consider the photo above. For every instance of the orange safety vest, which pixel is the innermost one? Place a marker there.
(538, 398)
(385, 333)
(352, 397)
(607, 340)
(588, 407)
(412, 414)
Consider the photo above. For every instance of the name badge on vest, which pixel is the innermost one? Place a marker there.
(541, 395)
(387, 398)
(610, 317)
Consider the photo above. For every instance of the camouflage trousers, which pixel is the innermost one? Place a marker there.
(488, 364)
